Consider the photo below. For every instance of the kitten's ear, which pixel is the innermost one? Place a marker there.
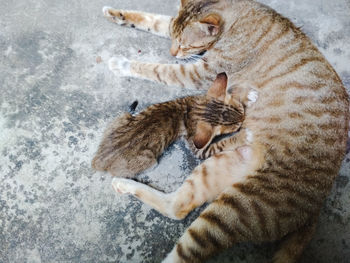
(218, 88)
(211, 24)
(203, 134)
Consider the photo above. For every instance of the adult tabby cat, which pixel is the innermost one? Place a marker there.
(273, 186)
(132, 144)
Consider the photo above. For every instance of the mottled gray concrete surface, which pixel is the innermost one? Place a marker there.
(57, 96)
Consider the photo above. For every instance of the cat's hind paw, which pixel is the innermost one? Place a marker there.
(124, 186)
(119, 65)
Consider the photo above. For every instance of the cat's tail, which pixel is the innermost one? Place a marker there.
(243, 213)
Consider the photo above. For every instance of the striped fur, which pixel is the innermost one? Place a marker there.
(133, 143)
(270, 180)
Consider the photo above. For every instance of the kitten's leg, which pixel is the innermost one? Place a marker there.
(243, 137)
(294, 243)
(196, 75)
(156, 24)
(129, 168)
(205, 183)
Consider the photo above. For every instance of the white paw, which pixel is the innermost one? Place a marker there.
(119, 65)
(252, 97)
(124, 186)
(105, 11)
(114, 15)
(171, 257)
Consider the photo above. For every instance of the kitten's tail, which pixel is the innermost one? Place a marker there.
(133, 106)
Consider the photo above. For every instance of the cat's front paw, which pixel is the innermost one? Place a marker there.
(124, 186)
(119, 65)
(114, 15)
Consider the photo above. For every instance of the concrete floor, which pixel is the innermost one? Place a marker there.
(57, 96)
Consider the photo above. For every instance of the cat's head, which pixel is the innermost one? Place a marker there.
(220, 117)
(195, 29)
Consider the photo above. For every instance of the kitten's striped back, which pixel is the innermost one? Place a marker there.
(133, 143)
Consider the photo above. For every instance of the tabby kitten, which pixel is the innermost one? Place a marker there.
(132, 144)
(273, 176)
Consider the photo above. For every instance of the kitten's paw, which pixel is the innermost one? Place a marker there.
(252, 97)
(119, 65)
(199, 153)
(114, 15)
(124, 186)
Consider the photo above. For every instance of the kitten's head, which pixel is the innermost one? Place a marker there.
(195, 29)
(219, 118)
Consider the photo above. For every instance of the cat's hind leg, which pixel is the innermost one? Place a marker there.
(293, 244)
(153, 23)
(205, 183)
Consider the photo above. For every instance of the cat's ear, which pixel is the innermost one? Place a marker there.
(211, 24)
(218, 88)
(203, 134)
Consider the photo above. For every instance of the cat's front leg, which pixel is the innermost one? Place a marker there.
(153, 23)
(197, 75)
